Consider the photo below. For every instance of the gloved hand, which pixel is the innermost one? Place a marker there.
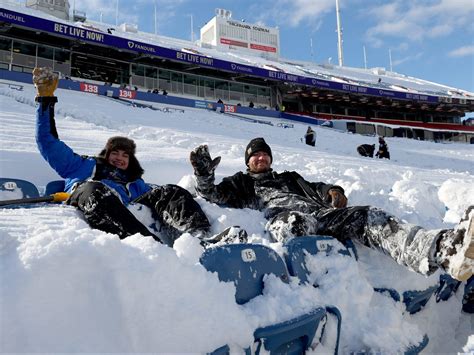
(338, 200)
(45, 80)
(202, 162)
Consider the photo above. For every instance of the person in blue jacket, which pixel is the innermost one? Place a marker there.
(102, 186)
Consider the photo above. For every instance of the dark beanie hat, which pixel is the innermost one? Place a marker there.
(257, 145)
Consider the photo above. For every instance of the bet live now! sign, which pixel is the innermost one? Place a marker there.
(93, 36)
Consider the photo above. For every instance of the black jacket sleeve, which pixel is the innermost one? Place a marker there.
(235, 191)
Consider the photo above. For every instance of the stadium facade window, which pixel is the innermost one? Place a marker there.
(62, 61)
(164, 79)
(176, 83)
(45, 52)
(263, 97)
(24, 54)
(5, 51)
(336, 110)
(206, 89)
(222, 90)
(190, 84)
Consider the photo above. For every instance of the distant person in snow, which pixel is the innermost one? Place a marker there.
(295, 207)
(310, 137)
(102, 186)
(366, 150)
(383, 149)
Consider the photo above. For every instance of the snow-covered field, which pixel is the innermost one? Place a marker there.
(68, 288)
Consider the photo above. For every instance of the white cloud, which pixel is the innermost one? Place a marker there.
(398, 61)
(417, 20)
(462, 51)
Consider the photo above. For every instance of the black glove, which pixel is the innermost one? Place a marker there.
(202, 162)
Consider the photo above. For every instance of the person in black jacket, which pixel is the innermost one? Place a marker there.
(366, 150)
(383, 149)
(310, 137)
(296, 207)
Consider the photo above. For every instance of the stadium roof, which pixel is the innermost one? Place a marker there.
(374, 81)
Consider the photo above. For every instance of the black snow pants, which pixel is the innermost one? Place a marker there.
(407, 244)
(171, 205)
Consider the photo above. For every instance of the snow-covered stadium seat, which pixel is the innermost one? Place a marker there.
(246, 265)
(17, 189)
(295, 257)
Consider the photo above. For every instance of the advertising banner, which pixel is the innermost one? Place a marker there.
(100, 38)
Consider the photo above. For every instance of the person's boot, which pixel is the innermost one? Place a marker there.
(230, 235)
(456, 249)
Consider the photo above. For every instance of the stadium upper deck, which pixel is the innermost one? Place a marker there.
(115, 55)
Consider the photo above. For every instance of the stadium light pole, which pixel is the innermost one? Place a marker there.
(116, 12)
(365, 58)
(156, 30)
(339, 36)
(192, 27)
(390, 58)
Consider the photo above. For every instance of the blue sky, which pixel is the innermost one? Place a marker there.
(427, 39)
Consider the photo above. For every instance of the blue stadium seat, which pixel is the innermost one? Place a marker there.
(54, 186)
(298, 247)
(246, 265)
(447, 287)
(416, 300)
(18, 189)
(468, 298)
(295, 257)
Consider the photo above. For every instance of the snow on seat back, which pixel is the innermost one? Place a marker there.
(245, 265)
(13, 189)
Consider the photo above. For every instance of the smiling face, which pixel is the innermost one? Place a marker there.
(119, 158)
(259, 162)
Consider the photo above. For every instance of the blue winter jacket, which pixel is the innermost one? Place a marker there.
(69, 165)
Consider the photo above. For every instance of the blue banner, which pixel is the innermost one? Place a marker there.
(89, 34)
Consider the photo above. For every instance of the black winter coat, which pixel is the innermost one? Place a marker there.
(272, 192)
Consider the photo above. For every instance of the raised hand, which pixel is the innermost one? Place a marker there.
(45, 80)
(202, 162)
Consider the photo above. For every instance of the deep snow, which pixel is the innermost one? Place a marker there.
(68, 288)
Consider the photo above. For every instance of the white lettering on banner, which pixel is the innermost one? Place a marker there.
(282, 76)
(133, 45)
(78, 32)
(417, 97)
(91, 88)
(12, 17)
(386, 93)
(241, 68)
(127, 94)
(193, 58)
(354, 88)
(229, 108)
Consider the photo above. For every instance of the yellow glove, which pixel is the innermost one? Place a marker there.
(45, 80)
(338, 200)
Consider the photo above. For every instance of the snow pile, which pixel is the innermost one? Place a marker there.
(68, 288)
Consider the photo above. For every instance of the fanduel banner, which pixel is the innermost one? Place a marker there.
(98, 37)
